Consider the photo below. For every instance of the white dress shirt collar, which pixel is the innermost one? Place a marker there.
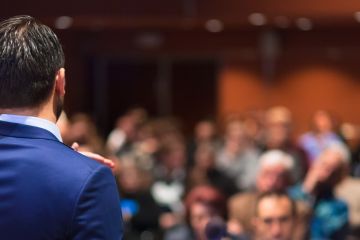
(33, 121)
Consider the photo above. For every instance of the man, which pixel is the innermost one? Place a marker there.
(237, 158)
(275, 216)
(330, 214)
(278, 135)
(48, 191)
(274, 174)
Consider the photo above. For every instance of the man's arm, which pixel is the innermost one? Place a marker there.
(97, 214)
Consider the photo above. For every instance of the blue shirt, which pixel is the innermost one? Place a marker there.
(330, 215)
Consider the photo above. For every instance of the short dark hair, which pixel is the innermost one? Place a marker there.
(30, 56)
(277, 194)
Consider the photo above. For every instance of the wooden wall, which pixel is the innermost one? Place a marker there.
(313, 71)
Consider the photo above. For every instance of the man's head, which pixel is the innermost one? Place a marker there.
(275, 216)
(278, 127)
(31, 65)
(274, 171)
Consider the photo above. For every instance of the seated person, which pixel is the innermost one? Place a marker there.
(275, 217)
(330, 214)
(274, 174)
(202, 204)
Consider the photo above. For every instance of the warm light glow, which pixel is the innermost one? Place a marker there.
(304, 24)
(214, 25)
(64, 22)
(357, 16)
(257, 19)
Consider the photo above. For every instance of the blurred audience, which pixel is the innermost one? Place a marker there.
(172, 187)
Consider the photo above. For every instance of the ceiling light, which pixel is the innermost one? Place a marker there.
(63, 22)
(214, 25)
(304, 24)
(257, 19)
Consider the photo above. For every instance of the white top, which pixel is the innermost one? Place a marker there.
(33, 121)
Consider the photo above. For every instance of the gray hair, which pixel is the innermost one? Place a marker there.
(275, 158)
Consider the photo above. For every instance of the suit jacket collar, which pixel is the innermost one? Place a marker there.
(24, 131)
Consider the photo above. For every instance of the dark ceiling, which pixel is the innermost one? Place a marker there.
(186, 14)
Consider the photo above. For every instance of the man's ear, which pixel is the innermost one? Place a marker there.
(60, 82)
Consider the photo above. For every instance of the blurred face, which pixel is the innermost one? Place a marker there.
(272, 178)
(200, 215)
(129, 179)
(205, 131)
(322, 122)
(235, 131)
(274, 220)
(277, 135)
(175, 159)
(204, 158)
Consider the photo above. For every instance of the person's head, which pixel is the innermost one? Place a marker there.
(173, 155)
(278, 126)
(275, 216)
(235, 138)
(274, 171)
(323, 122)
(203, 203)
(31, 65)
(83, 130)
(205, 130)
(331, 167)
(132, 177)
(204, 156)
(351, 134)
(234, 130)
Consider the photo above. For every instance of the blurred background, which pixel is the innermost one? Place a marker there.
(218, 57)
(197, 58)
(241, 96)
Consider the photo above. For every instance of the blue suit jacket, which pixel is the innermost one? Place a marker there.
(49, 191)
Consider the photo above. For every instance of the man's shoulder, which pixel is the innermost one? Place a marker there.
(50, 156)
(69, 161)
